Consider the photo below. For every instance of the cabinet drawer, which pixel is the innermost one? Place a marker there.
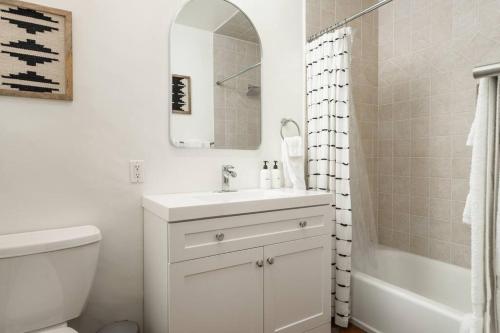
(202, 238)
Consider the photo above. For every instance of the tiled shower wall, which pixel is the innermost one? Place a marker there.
(415, 129)
(237, 115)
(320, 15)
(427, 49)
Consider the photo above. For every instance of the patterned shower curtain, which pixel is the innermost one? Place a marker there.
(328, 104)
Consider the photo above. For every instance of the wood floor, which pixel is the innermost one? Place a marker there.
(350, 329)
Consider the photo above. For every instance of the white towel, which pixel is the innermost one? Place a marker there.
(292, 157)
(470, 142)
(477, 139)
(294, 146)
(192, 143)
(474, 212)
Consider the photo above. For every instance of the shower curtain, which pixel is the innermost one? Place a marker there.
(482, 210)
(328, 112)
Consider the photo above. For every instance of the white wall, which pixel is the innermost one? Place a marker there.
(193, 55)
(66, 163)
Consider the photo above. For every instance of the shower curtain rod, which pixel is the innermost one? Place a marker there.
(243, 71)
(349, 19)
(486, 70)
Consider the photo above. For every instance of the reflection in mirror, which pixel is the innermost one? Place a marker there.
(215, 66)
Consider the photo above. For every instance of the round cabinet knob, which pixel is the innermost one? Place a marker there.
(270, 260)
(219, 236)
(303, 224)
(260, 263)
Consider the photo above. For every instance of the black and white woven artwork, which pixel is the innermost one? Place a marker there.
(35, 54)
(181, 94)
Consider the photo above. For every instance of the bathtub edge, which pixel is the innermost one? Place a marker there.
(410, 295)
(367, 328)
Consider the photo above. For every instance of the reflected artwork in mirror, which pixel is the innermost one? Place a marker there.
(215, 66)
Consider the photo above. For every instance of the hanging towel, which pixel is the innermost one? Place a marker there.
(292, 158)
(294, 146)
(478, 154)
(481, 209)
(474, 206)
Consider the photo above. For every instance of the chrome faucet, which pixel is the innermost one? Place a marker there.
(227, 171)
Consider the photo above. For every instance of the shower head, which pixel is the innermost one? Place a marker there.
(253, 90)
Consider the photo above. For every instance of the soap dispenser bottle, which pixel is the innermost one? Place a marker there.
(275, 176)
(265, 177)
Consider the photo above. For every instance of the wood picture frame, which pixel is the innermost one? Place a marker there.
(181, 94)
(36, 56)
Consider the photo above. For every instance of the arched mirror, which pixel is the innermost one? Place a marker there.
(215, 64)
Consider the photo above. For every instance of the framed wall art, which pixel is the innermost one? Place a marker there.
(35, 51)
(181, 94)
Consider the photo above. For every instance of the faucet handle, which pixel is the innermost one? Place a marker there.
(227, 167)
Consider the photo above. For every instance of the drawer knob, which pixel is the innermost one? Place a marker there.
(219, 236)
(303, 224)
(270, 260)
(260, 263)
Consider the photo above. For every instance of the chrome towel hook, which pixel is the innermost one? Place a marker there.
(285, 122)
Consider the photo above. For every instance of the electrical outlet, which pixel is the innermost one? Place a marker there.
(136, 171)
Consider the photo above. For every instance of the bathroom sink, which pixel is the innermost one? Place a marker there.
(189, 206)
(240, 195)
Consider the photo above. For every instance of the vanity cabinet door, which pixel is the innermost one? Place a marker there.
(218, 294)
(297, 286)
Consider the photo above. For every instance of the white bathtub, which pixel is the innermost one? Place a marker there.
(410, 294)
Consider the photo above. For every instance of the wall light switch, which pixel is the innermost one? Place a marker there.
(136, 171)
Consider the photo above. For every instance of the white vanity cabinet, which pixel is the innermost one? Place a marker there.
(251, 272)
(222, 293)
(297, 285)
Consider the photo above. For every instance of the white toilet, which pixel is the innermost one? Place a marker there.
(45, 278)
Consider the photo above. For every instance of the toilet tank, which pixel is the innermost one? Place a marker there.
(45, 276)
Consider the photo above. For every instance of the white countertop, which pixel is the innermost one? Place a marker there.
(191, 206)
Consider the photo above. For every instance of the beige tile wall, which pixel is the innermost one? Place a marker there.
(237, 116)
(427, 49)
(416, 106)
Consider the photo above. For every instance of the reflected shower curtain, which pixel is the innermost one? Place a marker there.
(328, 107)
(482, 210)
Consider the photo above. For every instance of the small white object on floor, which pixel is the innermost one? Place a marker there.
(467, 322)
